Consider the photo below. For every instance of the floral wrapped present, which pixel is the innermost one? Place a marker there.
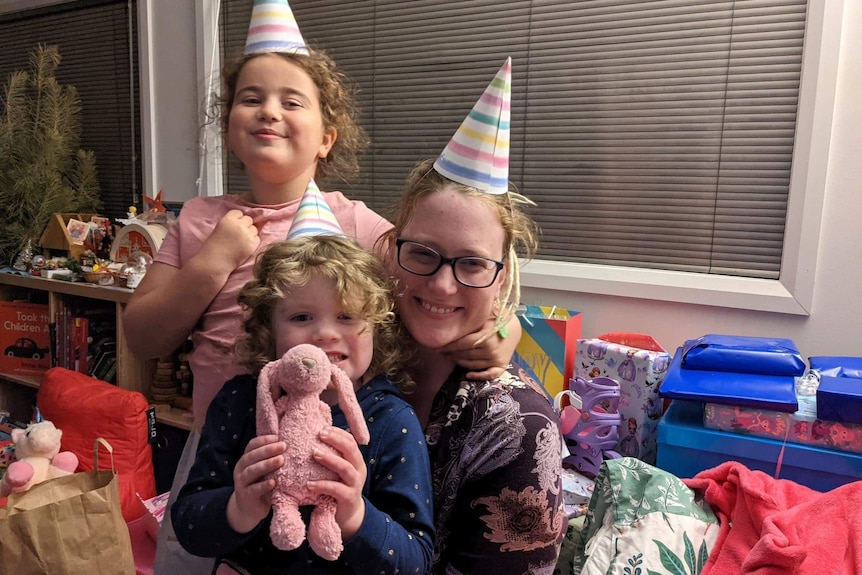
(639, 363)
(801, 426)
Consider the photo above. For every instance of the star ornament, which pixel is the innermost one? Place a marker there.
(155, 204)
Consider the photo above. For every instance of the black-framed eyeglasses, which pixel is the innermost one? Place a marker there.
(470, 271)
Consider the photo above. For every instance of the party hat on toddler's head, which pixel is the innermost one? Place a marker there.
(313, 217)
(478, 153)
(273, 29)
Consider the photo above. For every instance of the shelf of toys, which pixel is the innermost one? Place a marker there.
(49, 319)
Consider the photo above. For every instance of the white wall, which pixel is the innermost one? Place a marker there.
(833, 327)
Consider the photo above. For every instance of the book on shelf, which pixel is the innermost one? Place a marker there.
(52, 341)
(77, 336)
(81, 345)
(110, 374)
(70, 340)
(62, 328)
(25, 338)
(106, 356)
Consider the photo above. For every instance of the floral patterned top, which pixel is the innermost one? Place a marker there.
(495, 452)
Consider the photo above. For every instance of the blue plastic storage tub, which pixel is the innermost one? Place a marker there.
(686, 448)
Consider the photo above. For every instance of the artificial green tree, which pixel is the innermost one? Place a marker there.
(42, 171)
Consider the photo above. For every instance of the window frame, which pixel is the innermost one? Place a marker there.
(792, 293)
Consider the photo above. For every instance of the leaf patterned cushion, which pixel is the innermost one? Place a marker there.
(642, 520)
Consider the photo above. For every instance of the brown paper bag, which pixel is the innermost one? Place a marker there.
(71, 525)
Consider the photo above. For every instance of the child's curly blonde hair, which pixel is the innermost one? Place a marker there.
(337, 106)
(358, 276)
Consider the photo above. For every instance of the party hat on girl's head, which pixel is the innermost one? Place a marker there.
(478, 153)
(313, 217)
(273, 29)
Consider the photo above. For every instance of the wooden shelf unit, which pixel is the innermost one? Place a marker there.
(132, 373)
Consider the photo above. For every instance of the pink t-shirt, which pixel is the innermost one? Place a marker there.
(212, 362)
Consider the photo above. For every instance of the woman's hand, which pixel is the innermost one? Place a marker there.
(490, 358)
(349, 465)
(252, 495)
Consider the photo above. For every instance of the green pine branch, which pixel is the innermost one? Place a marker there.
(42, 171)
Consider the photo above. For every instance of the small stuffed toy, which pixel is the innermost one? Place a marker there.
(38, 455)
(289, 405)
(7, 454)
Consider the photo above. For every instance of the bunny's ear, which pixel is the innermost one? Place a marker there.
(267, 418)
(350, 406)
(267, 382)
(275, 382)
(263, 382)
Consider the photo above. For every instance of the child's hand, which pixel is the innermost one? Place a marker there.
(489, 359)
(350, 468)
(233, 240)
(252, 495)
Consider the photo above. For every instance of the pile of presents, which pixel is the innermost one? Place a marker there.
(612, 393)
(606, 390)
(764, 387)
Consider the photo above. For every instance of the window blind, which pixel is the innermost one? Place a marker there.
(653, 134)
(99, 58)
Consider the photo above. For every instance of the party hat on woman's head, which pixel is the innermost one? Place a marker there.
(273, 29)
(314, 217)
(478, 153)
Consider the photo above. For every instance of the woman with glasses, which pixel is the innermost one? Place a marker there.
(494, 444)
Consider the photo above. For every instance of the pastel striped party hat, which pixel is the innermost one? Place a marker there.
(273, 29)
(313, 217)
(478, 153)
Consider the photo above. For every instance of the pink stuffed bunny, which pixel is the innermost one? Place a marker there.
(289, 405)
(37, 450)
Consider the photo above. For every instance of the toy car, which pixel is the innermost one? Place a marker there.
(26, 347)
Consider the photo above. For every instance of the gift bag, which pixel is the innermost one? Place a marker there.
(639, 364)
(548, 344)
(71, 525)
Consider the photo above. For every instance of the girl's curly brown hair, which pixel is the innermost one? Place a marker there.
(337, 106)
(358, 276)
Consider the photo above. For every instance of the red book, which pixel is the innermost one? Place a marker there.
(24, 338)
(62, 327)
(81, 344)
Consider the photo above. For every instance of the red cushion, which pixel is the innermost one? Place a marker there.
(85, 408)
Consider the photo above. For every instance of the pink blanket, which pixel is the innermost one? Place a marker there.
(775, 526)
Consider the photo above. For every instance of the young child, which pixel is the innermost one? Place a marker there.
(327, 291)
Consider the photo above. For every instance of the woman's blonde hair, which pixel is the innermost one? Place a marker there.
(337, 106)
(358, 276)
(520, 232)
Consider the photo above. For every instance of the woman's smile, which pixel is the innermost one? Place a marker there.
(435, 309)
